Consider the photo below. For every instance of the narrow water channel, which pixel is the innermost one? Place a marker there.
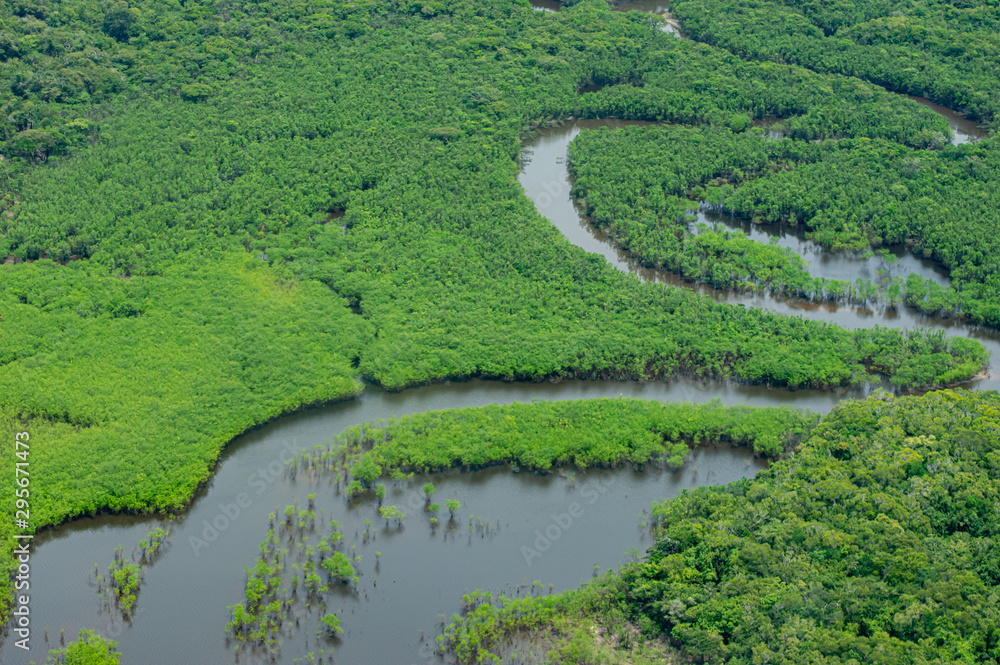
(421, 571)
(546, 181)
(826, 263)
(963, 128)
(657, 7)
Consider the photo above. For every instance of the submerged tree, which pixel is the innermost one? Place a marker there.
(338, 567)
(391, 513)
(90, 649)
(331, 625)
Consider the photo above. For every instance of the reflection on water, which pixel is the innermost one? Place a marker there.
(653, 7)
(646, 6)
(832, 264)
(965, 130)
(421, 573)
(546, 5)
(545, 179)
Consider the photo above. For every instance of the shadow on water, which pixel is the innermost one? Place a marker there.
(545, 179)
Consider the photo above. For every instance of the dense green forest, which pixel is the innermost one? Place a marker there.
(850, 193)
(587, 433)
(874, 542)
(217, 212)
(945, 51)
(336, 198)
(8, 562)
(943, 204)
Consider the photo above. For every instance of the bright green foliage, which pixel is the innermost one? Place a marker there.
(429, 490)
(197, 159)
(124, 577)
(366, 470)
(636, 182)
(875, 541)
(177, 365)
(256, 619)
(90, 649)
(877, 537)
(850, 194)
(152, 543)
(125, 582)
(473, 637)
(338, 567)
(331, 624)
(216, 292)
(391, 513)
(948, 51)
(588, 433)
(9, 426)
(452, 505)
(945, 204)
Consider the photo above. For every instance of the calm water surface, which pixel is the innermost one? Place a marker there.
(545, 179)
(964, 129)
(422, 571)
(647, 6)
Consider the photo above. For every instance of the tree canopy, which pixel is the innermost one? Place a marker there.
(875, 542)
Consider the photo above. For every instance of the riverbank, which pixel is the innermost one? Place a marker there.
(720, 548)
(421, 568)
(546, 179)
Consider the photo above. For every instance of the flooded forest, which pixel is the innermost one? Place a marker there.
(516, 332)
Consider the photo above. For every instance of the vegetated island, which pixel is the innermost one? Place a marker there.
(214, 214)
(875, 541)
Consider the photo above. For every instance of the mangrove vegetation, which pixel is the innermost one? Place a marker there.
(873, 542)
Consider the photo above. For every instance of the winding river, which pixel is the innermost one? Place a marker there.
(965, 130)
(423, 571)
(546, 180)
